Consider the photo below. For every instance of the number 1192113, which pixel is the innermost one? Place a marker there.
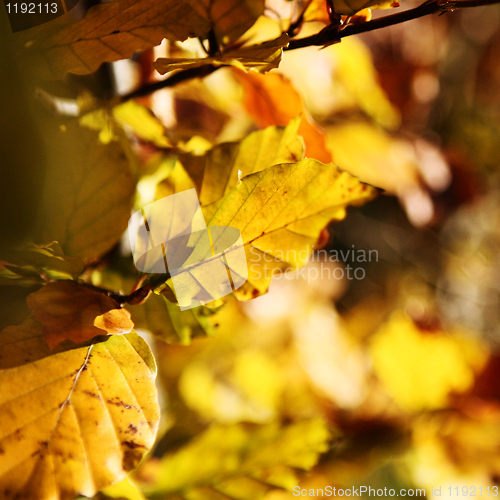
(31, 8)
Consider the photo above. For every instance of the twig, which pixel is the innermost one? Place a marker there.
(171, 81)
(332, 33)
(141, 294)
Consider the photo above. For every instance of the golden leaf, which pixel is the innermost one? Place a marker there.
(272, 100)
(88, 191)
(281, 211)
(251, 456)
(216, 172)
(420, 369)
(73, 422)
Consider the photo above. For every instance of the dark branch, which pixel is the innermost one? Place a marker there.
(334, 33)
(171, 81)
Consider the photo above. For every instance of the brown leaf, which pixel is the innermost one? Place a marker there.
(272, 100)
(110, 32)
(229, 18)
(71, 311)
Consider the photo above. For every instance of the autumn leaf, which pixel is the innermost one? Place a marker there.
(167, 322)
(130, 115)
(124, 490)
(87, 194)
(316, 10)
(110, 32)
(229, 18)
(351, 7)
(365, 151)
(420, 369)
(76, 421)
(262, 57)
(216, 172)
(254, 382)
(71, 311)
(271, 100)
(281, 211)
(28, 262)
(142, 122)
(357, 82)
(241, 454)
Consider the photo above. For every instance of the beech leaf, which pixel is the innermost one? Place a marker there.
(281, 212)
(76, 421)
(271, 99)
(420, 369)
(257, 455)
(216, 172)
(110, 32)
(30, 264)
(88, 191)
(167, 322)
(262, 57)
(229, 18)
(71, 311)
(131, 115)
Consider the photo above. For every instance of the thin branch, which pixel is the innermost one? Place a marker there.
(171, 81)
(333, 34)
(141, 294)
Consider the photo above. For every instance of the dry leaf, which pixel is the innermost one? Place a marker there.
(71, 311)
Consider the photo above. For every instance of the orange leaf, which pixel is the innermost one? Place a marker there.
(115, 322)
(316, 11)
(71, 311)
(271, 99)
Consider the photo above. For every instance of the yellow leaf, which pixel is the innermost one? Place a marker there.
(71, 311)
(272, 100)
(420, 369)
(229, 18)
(73, 422)
(216, 172)
(350, 7)
(167, 322)
(142, 122)
(356, 83)
(316, 11)
(281, 211)
(115, 322)
(125, 489)
(110, 32)
(87, 194)
(251, 392)
(371, 154)
(30, 260)
(237, 453)
(262, 57)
